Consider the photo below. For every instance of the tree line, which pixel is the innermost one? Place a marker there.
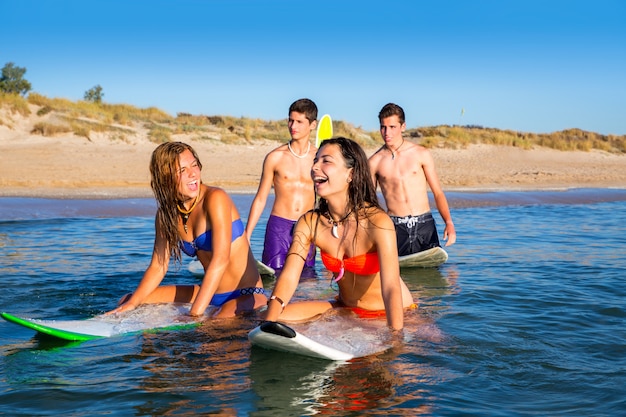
(12, 81)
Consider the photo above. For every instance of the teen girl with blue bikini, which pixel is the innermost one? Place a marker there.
(200, 221)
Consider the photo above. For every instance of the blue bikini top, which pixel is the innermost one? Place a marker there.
(204, 241)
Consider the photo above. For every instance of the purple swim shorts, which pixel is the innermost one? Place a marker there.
(278, 237)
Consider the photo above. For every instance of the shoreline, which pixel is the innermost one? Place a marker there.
(36, 208)
(130, 193)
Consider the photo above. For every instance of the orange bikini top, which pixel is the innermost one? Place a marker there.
(365, 264)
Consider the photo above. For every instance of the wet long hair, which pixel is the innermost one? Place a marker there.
(164, 174)
(361, 190)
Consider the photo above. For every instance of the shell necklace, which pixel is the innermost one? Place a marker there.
(393, 154)
(335, 224)
(184, 213)
(308, 148)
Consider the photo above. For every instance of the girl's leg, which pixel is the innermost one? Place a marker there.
(304, 310)
(169, 294)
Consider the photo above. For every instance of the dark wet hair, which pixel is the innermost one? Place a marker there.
(362, 198)
(361, 190)
(306, 107)
(391, 109)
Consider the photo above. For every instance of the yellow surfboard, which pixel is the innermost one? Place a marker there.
(324, 130)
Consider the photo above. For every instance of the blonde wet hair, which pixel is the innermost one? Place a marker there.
(164, 178)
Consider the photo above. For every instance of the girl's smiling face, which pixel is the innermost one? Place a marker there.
(188, 175)
(329, 172)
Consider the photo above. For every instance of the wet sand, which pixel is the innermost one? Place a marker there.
(29, 208)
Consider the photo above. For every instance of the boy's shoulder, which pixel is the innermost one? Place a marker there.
(277, 152)
(377, 153)
(423, 151)
(413, 147)
(280, 148)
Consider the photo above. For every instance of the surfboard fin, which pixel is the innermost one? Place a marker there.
(278, 329)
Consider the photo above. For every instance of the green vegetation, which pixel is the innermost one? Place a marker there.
(565, 140)
(121, 121)
(12, 80)
(15, 103)
(94, 94)
(49, 129)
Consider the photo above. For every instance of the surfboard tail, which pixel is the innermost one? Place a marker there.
(278, 336)
(429, 258)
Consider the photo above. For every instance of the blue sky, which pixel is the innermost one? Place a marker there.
(528, 65)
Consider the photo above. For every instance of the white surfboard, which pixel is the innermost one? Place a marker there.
(429, 258)
(146, 317)
(337, 339)
(196, 268)
(278, 336)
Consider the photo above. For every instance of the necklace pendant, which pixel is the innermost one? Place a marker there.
(393, 156)
(184, 213)
(335, 225)
(185, 218)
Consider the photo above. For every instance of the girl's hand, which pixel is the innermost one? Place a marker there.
(123, 305)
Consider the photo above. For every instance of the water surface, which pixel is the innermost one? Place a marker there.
(526, 318)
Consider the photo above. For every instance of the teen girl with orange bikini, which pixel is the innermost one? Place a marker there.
(356, 239)
(200, 221)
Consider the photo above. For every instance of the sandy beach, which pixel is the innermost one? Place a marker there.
(68, 166)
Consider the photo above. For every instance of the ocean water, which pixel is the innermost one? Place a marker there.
(527, 318)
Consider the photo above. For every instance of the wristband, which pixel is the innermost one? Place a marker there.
(273, 297)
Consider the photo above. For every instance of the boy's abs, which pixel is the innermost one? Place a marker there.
(293, 202)
(400, 203)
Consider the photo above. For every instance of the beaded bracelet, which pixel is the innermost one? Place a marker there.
(273, 297)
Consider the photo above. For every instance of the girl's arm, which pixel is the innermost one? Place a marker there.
(288, 280)
(218, 207)
(385, 240)
(153, 275)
